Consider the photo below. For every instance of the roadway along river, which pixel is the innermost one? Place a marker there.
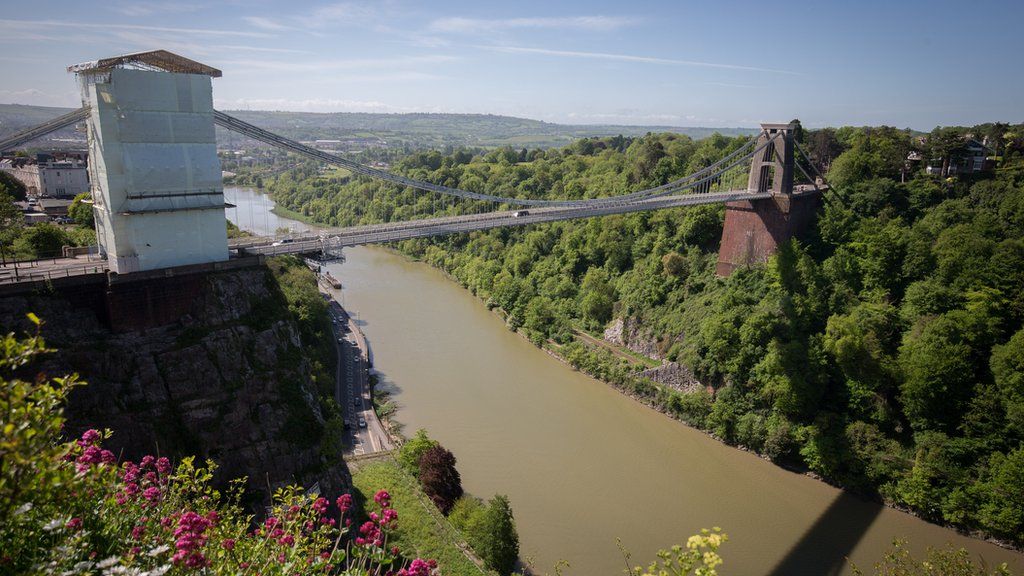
(583, 464)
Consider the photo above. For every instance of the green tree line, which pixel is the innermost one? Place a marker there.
(884, 352)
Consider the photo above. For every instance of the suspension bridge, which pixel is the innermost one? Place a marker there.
(756, 181)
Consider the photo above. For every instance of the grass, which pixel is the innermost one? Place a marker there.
(422, 530)
(336, 172)
(288, 213)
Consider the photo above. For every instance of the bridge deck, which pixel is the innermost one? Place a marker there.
(377, 233)
(334, 238)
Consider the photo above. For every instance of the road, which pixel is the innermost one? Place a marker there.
(366, 433)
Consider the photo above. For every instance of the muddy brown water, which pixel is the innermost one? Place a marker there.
(584, 465)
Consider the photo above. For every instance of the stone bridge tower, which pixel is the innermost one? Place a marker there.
(754, 229)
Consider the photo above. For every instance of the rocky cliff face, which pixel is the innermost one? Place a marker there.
(228, 381)
(630, 333)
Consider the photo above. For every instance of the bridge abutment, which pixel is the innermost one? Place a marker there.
(755, 228)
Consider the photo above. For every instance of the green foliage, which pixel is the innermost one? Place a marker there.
(490, 530)
(81, 211)
(880, 351)
(71, 507)
(947, 561)
(11, 186)
(421, 528)
(412, 450)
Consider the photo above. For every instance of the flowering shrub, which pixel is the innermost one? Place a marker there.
(71, 507)
(699, 557)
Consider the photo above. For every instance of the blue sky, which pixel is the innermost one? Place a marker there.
(682, 63)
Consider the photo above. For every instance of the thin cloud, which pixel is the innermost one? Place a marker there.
(137, 9)
(344, 64)
(477, 25)
(266, 23)
(44, 24)
(631, 58)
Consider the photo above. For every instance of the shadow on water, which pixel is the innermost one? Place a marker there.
(825, 546)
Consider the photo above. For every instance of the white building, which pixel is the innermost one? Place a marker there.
(157, 190)
(53, 178)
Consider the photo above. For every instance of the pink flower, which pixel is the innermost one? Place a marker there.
(107, 457)
(389, 516)
(320, 505)
(344, 502)
(146, 462)
(189, 539)
(228, 544)
(151, 494)
(131, 472)
(419, 567)
(163, 466)
(74, 524)
(89, 437)
(138, 532)
(287, 540)
(382, 498)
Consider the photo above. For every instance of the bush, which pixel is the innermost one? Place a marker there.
(441, 481)
(71, 507)
(410, 453)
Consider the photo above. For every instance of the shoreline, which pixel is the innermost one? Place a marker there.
(649, 403)
(364, 361)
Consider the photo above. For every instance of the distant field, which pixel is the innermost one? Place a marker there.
(418, 131)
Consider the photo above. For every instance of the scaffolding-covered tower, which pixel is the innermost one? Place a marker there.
(157, 192)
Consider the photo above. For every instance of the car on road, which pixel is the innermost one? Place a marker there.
(362, 423)
(520, 213)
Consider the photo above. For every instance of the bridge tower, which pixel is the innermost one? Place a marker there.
(158, 198)
(754, 229)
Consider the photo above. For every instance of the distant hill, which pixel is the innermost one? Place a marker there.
(415, 130)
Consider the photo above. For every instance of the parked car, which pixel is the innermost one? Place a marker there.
(362, 423)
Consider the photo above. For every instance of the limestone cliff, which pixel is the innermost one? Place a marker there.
(229, 380)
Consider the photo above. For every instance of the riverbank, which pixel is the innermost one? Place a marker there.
(562, 445)
(353, 390)
(685, 408)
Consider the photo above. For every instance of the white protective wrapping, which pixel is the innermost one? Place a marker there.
(156, 176)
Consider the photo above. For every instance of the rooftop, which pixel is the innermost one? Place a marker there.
(159, 60)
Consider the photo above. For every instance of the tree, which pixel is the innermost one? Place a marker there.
(500, 545)
(410, 453)
(441, 481)
(938, 373)
(598, 296)
(12, 186)
(1008, 369)
(11, 223)
(674, 264)
(45, 240)
(81, 211)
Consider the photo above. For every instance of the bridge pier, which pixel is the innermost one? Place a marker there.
(754, 229)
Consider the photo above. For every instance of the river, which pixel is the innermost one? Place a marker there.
(581, 463)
